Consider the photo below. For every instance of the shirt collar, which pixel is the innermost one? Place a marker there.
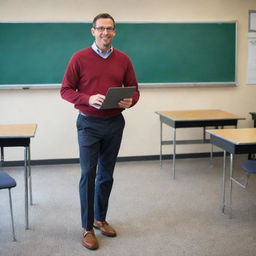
(99, 52)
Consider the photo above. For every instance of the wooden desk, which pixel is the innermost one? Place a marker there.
(234, 141)
(19, 135)
(193, 118)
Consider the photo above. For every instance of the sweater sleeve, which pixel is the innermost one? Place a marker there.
(130, 80)
(69, 89)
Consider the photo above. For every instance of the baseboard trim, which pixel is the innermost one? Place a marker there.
(119, 159)
(166, 157)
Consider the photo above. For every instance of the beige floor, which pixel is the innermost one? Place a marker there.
(153, 214)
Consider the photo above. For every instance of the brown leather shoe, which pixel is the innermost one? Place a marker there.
(105, 228)
(89, 240)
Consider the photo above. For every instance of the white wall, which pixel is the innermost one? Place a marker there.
(56, 134)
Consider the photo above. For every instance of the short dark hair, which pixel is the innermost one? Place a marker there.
(103, 16)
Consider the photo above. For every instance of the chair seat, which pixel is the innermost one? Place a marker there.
(6, 181)
(249, 166)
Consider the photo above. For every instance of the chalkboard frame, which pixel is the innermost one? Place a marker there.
(141, 84)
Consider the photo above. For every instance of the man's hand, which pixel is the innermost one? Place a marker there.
(125, 103)
(96, 99)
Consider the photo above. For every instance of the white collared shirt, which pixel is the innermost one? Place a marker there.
(99, 52)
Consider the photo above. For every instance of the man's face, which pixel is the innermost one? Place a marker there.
(104, 33)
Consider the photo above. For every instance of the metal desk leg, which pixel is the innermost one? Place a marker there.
(26, 185)
(211, 155)
(223, 182)
(174, 152)
(161, 140)
(30, 177)
(231, 183)
(2, 156)
(211, 152)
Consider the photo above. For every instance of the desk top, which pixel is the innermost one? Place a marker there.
(241, 136)
(194, 115)
(17, 130)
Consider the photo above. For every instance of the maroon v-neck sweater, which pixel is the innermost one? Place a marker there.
(88, 74)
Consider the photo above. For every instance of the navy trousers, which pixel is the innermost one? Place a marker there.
(99, 142)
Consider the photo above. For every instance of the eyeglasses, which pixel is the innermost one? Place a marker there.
(102, 29)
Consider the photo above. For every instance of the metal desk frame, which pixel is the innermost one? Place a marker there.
(213, 120)
(223, 140)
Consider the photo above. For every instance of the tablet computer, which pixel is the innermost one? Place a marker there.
(114, 95)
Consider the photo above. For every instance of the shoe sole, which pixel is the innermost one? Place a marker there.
(90, 248)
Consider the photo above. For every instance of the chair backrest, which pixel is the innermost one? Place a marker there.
(249, 166)
(6, 181)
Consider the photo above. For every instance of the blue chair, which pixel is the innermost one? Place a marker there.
(7, 182)
(249, 166)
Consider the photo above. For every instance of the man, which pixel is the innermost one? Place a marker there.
(89, 74)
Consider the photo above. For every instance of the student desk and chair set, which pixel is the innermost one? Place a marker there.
(232, 141)
(17, 135)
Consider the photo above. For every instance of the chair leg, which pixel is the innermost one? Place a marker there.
(13, 231)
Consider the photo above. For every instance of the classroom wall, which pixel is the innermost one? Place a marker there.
(56, 134)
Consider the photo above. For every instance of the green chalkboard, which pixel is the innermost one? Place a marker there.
(162, 53)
